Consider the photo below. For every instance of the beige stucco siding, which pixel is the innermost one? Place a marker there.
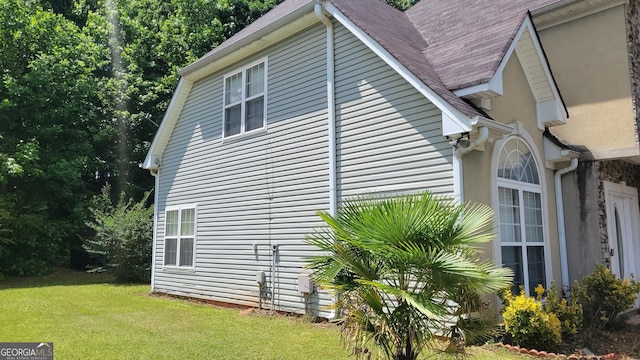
(517, 105)
(588, 57)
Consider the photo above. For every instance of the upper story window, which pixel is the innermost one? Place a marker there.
(179, 236)
(521, 216)
(244, 100)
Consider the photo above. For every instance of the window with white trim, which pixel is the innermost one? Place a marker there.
(179, 236)
(520, 213)
(244, 100)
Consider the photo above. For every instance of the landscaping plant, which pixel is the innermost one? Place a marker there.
(604, 297)
(123, 236)
(527, 322)
(395, 263)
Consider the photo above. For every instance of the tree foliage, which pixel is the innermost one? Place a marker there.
(83, 85)
(395, 264)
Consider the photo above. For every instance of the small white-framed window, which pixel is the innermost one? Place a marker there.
(180, 236)
(521, 216)
(245, 105)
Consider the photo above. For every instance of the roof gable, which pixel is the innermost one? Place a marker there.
(469, 39)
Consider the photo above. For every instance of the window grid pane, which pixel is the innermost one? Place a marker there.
(509, 212)
(186, 252)
(187, 222)
(255, 80)
(532, 205)
(233, 120)
(255, 114)
(171, 227)
(512, 258)
(170, 251)
(535, 263)
(233, 89)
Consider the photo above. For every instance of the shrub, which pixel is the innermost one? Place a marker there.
(528, 324)
(604, 297)
(123, 238)
(569, 313)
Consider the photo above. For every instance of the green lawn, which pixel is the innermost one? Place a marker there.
(88, 317)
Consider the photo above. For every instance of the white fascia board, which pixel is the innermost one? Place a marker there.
(231, 54)
(557, 106)
(452, 119)
(152, 161)
(493, 87)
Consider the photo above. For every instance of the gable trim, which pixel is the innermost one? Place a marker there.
(453, 121)
(154, 156)
(551, 111)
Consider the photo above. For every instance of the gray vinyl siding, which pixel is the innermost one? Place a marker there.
(263, 188)
(389, 135)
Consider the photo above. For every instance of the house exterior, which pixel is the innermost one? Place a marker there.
(600, 89)
(321, 100)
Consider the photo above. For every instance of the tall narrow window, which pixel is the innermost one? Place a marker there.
(521, 216)
(179, 239)
(244, 102)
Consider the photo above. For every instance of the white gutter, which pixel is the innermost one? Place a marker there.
(458, 191)
(562, 237)
(331, 106)
(156, 176)
(331, 112)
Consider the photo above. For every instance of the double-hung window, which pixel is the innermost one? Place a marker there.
(179, 238)
(244, 100)
(521, 214)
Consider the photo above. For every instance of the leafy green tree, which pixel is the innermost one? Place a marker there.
(49, 110)
(395, 263)
(123, 236)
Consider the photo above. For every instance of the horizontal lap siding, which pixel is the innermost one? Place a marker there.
(261, 189)
(389, 136)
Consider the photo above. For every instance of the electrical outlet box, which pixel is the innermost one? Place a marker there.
(305, 284)
(260, 277)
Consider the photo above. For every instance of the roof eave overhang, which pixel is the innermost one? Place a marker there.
(282, 28)
(551, 109)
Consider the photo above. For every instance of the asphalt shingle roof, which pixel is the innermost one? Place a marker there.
(468, 39)
(447, 44)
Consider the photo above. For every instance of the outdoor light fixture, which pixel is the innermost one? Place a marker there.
(462, 142)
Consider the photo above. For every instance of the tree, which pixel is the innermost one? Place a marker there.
(49, 110)
(395, 263)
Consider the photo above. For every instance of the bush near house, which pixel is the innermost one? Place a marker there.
(604, 298)
(123, 236)
(528, 323)
(597, 303)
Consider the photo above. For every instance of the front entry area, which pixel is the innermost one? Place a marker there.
(622, 229)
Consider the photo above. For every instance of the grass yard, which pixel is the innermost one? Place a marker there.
(88, 317)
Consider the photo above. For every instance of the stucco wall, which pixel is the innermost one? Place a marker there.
(585, 212)
(588, 57)
(516, 105)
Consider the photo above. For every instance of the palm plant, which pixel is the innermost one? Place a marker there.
(395, 263)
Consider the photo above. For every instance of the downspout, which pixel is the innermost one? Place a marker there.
(562, 237)
(331, 106)
(156, 175)
(483, 135)
(331, 114)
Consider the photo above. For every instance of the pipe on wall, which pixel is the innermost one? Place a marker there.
(562, 236)
(331, 114)
(331, 106)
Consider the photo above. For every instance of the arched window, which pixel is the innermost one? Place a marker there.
(520, 213)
